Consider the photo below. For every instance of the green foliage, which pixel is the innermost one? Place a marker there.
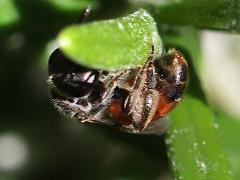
(194, 146)
(210, 14)
(8, 13)
(229, 130)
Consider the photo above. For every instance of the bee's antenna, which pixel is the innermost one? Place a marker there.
(84, 14)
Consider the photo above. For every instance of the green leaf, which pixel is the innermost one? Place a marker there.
(194, 145)
(229, 131)
(112, 44)
(8, 12)
(211, 14)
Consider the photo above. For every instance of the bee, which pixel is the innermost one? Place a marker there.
(134, 100)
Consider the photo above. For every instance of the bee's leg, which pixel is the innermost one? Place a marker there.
(143, 97)
(71, 107)
(83, 113)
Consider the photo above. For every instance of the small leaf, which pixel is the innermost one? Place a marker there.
(112, 44)
(211, 14)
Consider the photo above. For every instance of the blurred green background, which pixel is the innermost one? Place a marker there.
(38, 143)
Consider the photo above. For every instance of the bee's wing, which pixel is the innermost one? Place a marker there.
(157, 127)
